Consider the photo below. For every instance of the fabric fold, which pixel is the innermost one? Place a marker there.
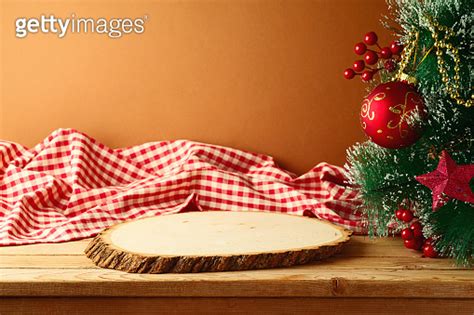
(70, 186)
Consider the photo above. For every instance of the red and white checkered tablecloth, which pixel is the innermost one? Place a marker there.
(70, 186)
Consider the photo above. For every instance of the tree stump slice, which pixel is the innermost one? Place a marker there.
(215, 241)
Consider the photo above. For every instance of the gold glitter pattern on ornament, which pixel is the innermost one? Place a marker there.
(400, 109)
(366, 110)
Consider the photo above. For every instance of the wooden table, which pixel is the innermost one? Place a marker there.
(369, 277)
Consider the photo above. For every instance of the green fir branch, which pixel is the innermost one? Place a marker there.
(386, 177)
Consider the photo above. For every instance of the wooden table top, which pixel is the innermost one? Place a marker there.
(366, 268)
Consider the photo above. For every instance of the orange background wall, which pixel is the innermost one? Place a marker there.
(260, 75)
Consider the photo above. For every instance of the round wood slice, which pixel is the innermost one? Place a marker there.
(215, 241)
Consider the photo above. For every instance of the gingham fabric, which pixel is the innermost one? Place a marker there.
(70, 186)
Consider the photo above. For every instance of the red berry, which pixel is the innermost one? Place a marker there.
(407, 216)
(429, 250)
(360, 48)
(349, 73)
(417, 233)
(414, 243)
(417, 229)
(416, 226)
(367, 75)
(396, 48)
(386, 53)
(389, 65)
(409, 243)
(371, 58)
(398, 214)
(418, 243)
(358, 65)
(407, 234)
(370, 38)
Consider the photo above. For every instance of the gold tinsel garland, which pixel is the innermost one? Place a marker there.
(442, 47)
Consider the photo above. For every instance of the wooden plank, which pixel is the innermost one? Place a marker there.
(290, 282)
(358, 246)
(95, 305)
(335, 263)
(46, 262)
(67, 248)
(380, 268)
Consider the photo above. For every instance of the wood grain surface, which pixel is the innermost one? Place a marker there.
(239, 306)
(367, 276)
(215, 241)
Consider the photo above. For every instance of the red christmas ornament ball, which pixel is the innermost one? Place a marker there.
(349, 73)
(358, 65)
(370, 38)
(385, 111)
(360, 48)
(371, 58)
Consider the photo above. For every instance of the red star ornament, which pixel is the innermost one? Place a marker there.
(449, 179)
